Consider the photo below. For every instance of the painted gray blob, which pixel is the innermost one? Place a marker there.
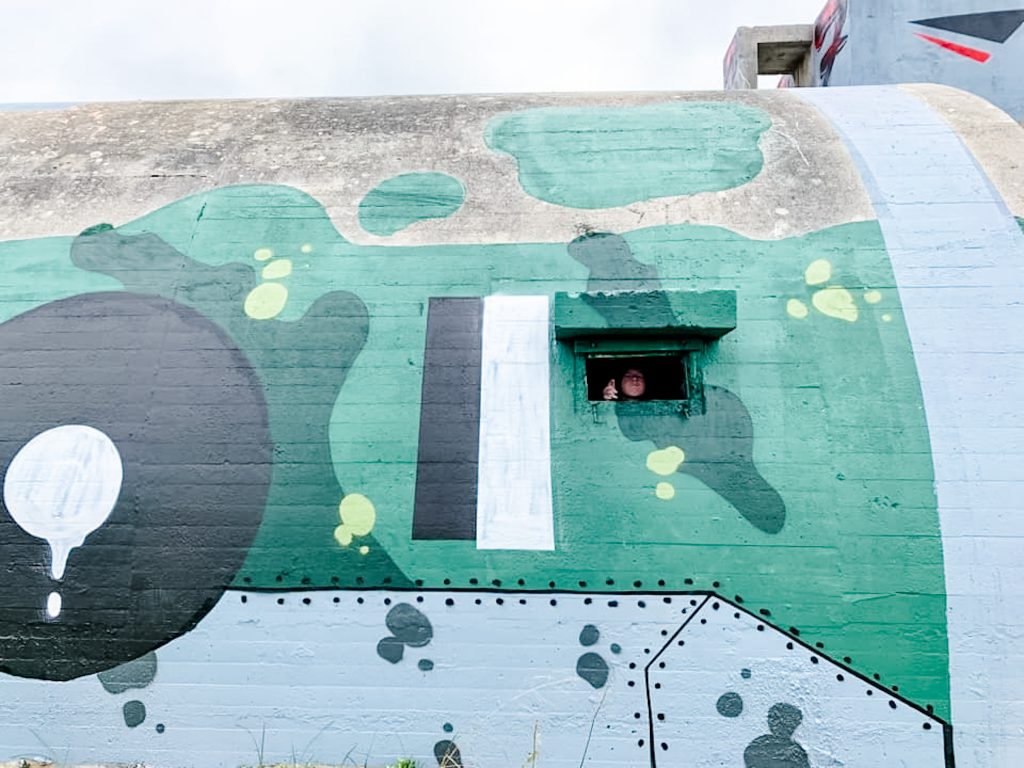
(134, 713)
(589, 635)
(778, 749)
(448, 754)
(135, 674)
(391, 649)
(425, 665)
(729, 704)
(592, 668)
(409, 625)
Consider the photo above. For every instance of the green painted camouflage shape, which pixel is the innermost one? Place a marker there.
(600, 158)
(834, 402)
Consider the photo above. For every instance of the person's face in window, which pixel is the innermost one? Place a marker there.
(633, 384)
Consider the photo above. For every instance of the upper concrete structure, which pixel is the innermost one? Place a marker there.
(976, 45)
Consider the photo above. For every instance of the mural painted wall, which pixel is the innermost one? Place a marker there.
(301, 461)
(976, 45)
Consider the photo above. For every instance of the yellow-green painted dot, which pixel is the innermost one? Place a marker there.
(266, 301)
(872, 297)
(306, 248)
(262, 254)
(665, 491)
(364, 550)
(887, 318)
(275, 270)
(666, 461)
(797, 309)
(836, 302)
(818, 272)
(357, 514)
(343, 535)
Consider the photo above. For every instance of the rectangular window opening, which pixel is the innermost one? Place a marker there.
(662, 376)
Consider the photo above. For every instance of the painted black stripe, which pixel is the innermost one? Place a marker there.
(446, 472)
(995, 26)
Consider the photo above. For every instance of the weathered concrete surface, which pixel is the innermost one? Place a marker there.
(783, 49)
(70, 169)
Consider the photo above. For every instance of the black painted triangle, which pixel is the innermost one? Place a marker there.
(996, 26)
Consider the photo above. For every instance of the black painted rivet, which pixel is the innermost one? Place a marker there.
(927, 726)
(337, 599)
(892, 704)
(447, 582)
(840, 678)
(306, 601)
(814, 659)
(449, 601)
(760, 627)
(280, 601)
(714, 606)
(661, 716)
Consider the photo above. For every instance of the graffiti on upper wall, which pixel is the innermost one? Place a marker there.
(830, 37)
(992, 26)
(234, 431)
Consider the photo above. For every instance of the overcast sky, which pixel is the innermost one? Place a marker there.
(88, 50)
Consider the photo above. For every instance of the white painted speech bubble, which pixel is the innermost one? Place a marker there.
(61, 486)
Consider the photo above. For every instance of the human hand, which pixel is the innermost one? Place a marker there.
(610, 392)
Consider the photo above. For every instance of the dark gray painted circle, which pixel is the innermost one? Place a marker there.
(729, 704)
(187, 414)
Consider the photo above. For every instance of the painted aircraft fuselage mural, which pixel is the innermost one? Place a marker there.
(275, 488)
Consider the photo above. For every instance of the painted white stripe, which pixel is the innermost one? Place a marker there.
(514, 476)
(958, 258)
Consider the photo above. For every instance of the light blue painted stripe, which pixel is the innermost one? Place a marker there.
(958, 258)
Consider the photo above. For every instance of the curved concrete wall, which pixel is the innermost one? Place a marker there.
(302, 461)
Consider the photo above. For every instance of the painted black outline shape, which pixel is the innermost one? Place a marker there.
(469, 593)
(947, 728)
(994, 26)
